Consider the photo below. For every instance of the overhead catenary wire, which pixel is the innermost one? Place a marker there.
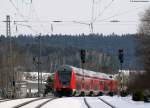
(105, 8)
(139, 1)
(37, 16)
(23, 17)
(28, 26)
(121, 13)
(72, 22)
(17, 9)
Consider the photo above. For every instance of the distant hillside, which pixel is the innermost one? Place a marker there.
(60, 49)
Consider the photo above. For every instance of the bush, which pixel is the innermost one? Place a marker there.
(138, 95)
(111, 94)
(123, 93)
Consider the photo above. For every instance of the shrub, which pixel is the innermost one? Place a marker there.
(138, 95)
(123, 93)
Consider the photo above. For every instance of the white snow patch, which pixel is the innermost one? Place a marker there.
(34, 104)
(12, 103)
(125, 102)
(35, 82)
(94, 102)
(74, 102)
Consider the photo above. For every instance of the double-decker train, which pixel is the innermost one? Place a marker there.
(72, 81)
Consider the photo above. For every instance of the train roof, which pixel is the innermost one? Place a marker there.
(86, 72)
(91, 73)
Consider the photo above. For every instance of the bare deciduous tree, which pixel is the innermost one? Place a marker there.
(143, 50)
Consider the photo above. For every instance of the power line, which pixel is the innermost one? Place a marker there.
(17, 9)
(139, 1)
(104, 10)
(122, 13)
(28, 26)
(36, 14)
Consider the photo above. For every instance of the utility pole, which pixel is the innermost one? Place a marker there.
(38, 65)
(121, 59)
(92, 18)
(83, 55)
(8, 34)
(40, 61)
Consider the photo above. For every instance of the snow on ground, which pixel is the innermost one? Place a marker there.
(125, 102)
(96, 103)
(78, 102)
(72, 102)
(34, 104)
(1, 100)
(12, 103)
(35, 82)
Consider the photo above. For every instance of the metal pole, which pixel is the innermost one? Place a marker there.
(121, 77)
(83, 80)
(8, 34)
(82, 64)
(40, 61)
(38, 64)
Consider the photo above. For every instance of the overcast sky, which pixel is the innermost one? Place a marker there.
(40, 15)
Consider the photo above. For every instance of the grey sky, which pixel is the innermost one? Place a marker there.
(42, 13)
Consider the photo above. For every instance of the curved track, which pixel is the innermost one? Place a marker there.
(41, 101)
(42, 104)
(112, 106)
(86, 103)
(100, 101)
(4, 100)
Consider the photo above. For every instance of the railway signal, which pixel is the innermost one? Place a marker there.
(82, 55)
(120, 55)
(121, 59)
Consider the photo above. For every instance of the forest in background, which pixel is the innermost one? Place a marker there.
(102, 51)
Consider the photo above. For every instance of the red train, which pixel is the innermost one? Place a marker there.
(71, 81)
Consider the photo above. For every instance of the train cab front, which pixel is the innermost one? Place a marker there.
(63, 81)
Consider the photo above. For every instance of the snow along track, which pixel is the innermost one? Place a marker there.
(4, 100)
(42, 104)
(37, 103)
(86, 103)
(97, 102)
(27, 102)
(112, 106)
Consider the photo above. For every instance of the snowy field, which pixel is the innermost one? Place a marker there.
(78, 102)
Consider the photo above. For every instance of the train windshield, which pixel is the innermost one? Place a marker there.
(64, 75)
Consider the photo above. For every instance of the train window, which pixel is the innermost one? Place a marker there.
(78, 85)
(106, 86)
(87, 87)
(101, 82)
(64, 76)
(95, 87)
(91, 82)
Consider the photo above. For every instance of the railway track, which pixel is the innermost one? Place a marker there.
(112, 106)
(4, 100)
(105, 103)
(41, 102)
(86, 103)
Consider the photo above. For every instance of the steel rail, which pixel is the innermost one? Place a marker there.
(86, 103)
(25, 103)
(42, 104)
(112, 106)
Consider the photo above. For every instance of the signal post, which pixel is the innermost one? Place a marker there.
(83, 56)
(121, 76)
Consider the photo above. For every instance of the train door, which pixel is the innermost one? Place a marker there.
(87, 85)
(78, 85)
(96, 86)
(106, 87)
(101, 86)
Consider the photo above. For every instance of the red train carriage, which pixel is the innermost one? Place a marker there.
(69, 81)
